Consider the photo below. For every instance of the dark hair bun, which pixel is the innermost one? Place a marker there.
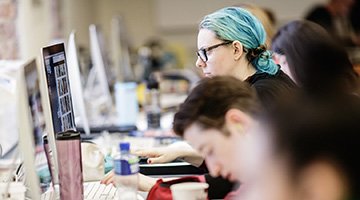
(252, 54)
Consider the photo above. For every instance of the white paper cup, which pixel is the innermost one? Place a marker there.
(189, 191)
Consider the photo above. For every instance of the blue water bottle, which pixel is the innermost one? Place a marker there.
(126, 173)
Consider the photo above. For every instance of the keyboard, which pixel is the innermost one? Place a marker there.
(92, 191)
(97, 191)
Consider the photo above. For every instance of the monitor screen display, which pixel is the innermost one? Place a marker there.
(59, 89)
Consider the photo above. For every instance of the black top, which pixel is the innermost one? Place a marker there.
(321, 16)
(355, 16)
(271, 88)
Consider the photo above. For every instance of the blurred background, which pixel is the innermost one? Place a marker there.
(28, 25)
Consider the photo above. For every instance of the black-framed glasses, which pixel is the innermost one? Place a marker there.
(202, 52)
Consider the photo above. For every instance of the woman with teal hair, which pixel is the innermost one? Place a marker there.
(231, 42)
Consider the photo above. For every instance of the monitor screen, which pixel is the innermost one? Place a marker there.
(100, 65)
(120, 50)
(58, 88)
(75, 84)
(34, 98)
(38, 122)
(109, 71)
(31, 125)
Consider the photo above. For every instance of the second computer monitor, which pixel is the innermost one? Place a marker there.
(75, 84)
(31, 128)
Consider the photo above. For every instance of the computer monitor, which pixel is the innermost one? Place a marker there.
(101, 70)
(59, 92)
(31, 126)
(91, 129)
(57, 101)
(104, 50)
(120, 50)
(75, 84)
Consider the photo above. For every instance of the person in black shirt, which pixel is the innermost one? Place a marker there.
(335, 17)
(320, 66)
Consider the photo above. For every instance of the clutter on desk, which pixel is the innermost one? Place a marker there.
(92, 162)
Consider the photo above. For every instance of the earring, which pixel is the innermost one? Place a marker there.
(240, 127)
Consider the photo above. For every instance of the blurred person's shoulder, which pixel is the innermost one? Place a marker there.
(320, 15)
(316, 12)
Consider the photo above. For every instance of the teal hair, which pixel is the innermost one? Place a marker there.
(235, 23)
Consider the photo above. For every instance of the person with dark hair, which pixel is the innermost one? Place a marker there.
(205, 110)
(217, 126)
(309, 55)
(309, 152)
(335, 17)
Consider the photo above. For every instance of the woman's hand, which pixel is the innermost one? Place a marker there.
(170, 153)
(159, 155)
(145, 182)
(109, 178)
